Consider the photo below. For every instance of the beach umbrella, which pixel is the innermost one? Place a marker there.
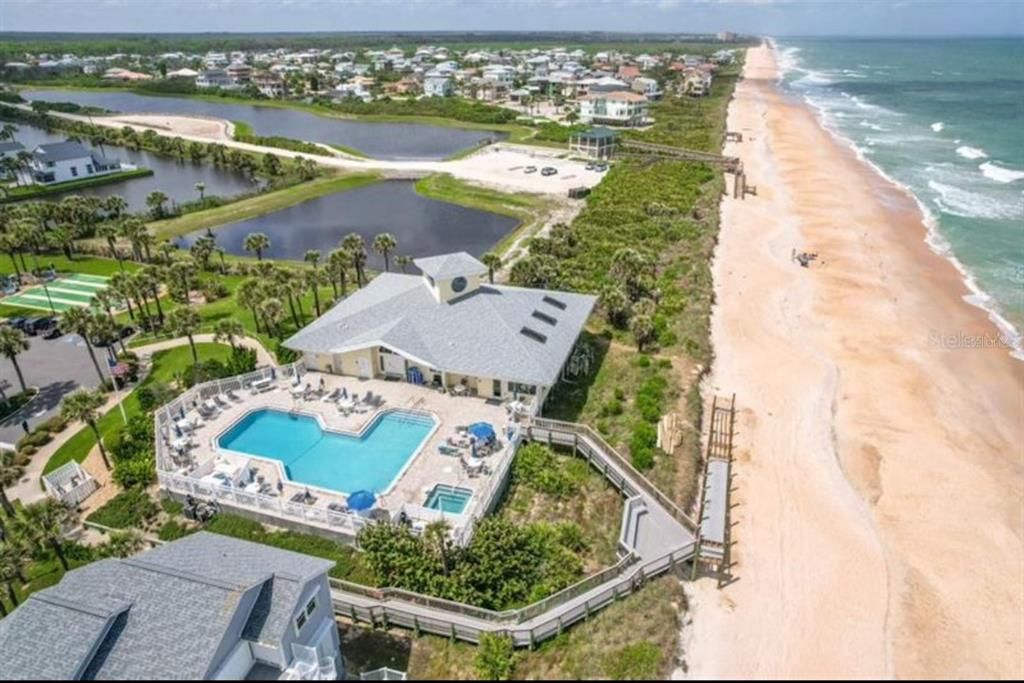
(361, 500)
(482, 431)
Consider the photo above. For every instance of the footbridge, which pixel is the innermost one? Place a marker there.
(649, 150)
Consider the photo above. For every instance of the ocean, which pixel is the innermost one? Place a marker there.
(944, 118)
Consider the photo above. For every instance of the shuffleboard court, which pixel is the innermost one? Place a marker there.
(76, 290)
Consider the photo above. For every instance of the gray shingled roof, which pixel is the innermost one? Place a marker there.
(62, 151)
(479, 333)
(163, 614)
(9, 147)
(448, 266)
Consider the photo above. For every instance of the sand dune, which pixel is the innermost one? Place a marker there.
(880, 461)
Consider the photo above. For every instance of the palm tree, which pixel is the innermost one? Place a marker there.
(201, 189)
(272, 311)
(84, 406)
(155, 200)
(249, 294)
(81, 322)
(316, 279)
(182, 272)
(403, 263)
(185, 320)
(337, 264)
(149, 278)
(115, 205)
(43, 525)
(106, 300)
(124, 543)
(123, 286)
(110, 232)
(256, 242)
(228, 329)
(493, 263)
(13, 342)
(10, 472)
(7, 131)
(355, 247)
(384, 244)
(12, 568)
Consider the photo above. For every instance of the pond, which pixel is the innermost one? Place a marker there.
(393, 141)
(174, 177)
(421, 226)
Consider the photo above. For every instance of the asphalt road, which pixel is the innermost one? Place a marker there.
(57, 367)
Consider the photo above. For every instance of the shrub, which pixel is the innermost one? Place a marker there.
(495, 658)
(172, 531)
(642, 444)
(537, 467)
(636, 662)
(612, 407)
(54, 425)
(284, 354)
(131, 508)
(138, 472)
(214, 289)
(154, 395)
(37, 439)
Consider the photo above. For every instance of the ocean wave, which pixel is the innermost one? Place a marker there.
(938, 126)
(971, 152)
(957, 201)
(874, 126)
(1000, 174)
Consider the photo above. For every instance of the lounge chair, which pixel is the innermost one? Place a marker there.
(232, 395)
(332, 396)
(222, 400)
(445, 449)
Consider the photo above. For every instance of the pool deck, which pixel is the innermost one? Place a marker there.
(425, 469)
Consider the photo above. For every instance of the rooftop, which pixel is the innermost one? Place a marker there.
(62, 151)
(448, 266)
(165, 613)
(513, 333)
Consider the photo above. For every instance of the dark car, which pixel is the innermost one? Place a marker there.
(34, 326)
(548, 170)
(52, 332)
(106, 340)
(18, 323)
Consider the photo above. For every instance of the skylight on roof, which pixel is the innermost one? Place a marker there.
(533, 334)
(544, 317)
(552, 301)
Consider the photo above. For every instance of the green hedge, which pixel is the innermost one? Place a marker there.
(128, 509)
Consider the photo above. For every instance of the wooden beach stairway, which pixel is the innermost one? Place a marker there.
(656, 537)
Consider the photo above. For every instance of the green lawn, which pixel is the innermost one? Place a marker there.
(258, 205)
(165, 365)
(16, 193)
(89, 265)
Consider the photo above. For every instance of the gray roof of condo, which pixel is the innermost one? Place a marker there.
(448, 266)
(512, 333)
(165, 613)
(62, 151)
(11, 146)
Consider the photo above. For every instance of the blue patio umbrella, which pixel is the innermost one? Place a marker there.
(482, 431)
(361, 500)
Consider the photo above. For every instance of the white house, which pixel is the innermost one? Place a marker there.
(214, 78)
(449, 327)
(205, 607)
(619, 108)
(60, 162)
(437, 84)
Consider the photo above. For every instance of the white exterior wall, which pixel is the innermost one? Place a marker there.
(62, 170)
(237, 664)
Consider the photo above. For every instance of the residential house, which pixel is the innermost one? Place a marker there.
(205, 607)
(9, 149)
(618, 108)
(59, 162)
(648, 87)
(269, 84)
(596, 143)
(214, 78)
(239, 72)
(437, 84)
(449, 327)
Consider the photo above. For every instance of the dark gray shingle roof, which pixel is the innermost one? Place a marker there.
(62, 151)
(163, 614)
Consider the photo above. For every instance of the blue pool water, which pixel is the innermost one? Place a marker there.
(327, 459)
(448, 499)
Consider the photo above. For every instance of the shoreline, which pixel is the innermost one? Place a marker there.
(1010, 334)
(878, 474)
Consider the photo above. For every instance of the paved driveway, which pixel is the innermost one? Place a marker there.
(57, 367)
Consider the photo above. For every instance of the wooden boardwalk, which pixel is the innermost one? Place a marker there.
(714, 507)
(656, 537)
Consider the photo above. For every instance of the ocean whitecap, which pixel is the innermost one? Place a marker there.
(999, 173)
(968, 152)
(938, 126)
(957, 201)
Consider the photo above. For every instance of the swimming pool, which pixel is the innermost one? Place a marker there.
(331, 460)
(448, 499)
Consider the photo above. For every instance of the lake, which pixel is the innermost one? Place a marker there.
(174, 177)
(422, 226)
(393, 141)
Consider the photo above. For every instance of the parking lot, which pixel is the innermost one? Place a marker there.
(57, 367)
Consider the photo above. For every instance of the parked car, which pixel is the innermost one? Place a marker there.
(34, 326)
(530, 169)
(53, 331)
(106, 340)
(18, 323)
(549, 170)
(601, 168)
(591, 166)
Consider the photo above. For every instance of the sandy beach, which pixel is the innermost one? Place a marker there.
(879, 474)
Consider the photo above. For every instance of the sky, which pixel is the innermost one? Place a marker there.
(754, 17)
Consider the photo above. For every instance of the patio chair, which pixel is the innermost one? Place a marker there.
(230, 393)
(445, 449)
(222, 400)
(332, 396)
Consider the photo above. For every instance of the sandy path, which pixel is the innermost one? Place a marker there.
(499, 166)
(880, 474)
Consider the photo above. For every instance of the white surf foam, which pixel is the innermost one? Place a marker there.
(968, 152)
(966, 204)
(938, 126)
(1000, 174)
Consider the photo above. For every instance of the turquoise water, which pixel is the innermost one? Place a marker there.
(327, 459)
(448, 499)
(943, 118)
